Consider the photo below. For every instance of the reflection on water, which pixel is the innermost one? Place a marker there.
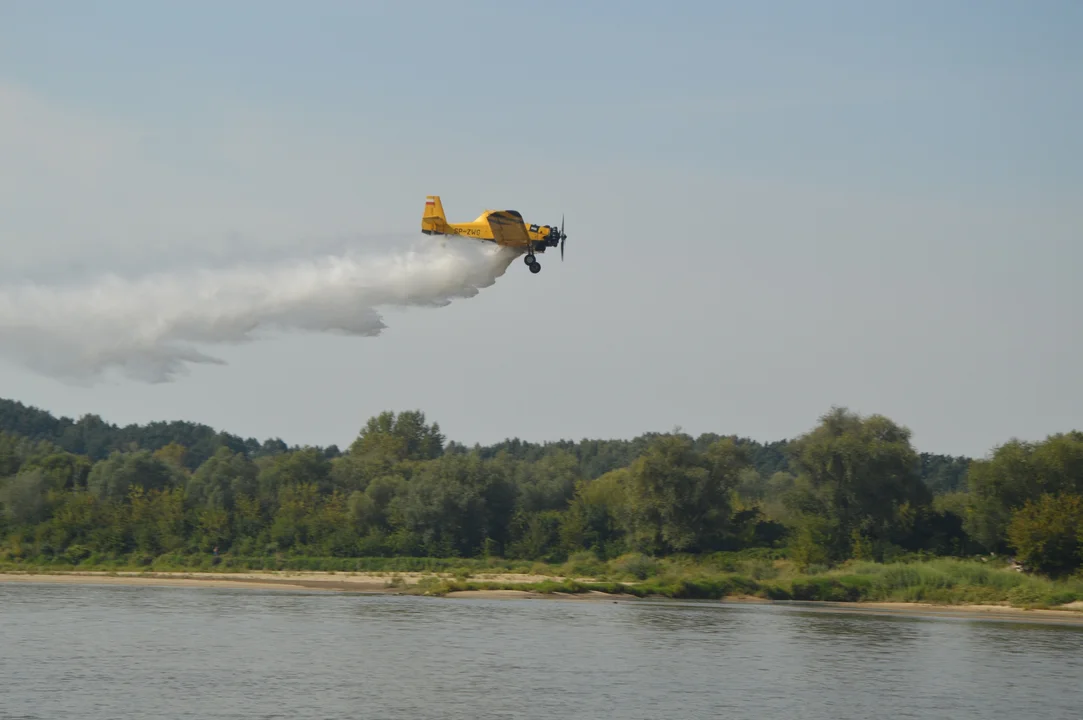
(1023, 638)
(702, 618)
(117, 652)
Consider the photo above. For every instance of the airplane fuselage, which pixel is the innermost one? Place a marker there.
(541, 236)
(503, 227)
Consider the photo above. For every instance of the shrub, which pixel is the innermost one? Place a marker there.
(637, 565)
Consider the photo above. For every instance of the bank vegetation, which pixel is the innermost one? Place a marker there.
(848, 511)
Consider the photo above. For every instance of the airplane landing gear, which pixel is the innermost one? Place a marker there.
(532, 263)
(529, 259)
(535, 267)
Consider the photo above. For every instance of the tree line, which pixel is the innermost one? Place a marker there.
(851, 487)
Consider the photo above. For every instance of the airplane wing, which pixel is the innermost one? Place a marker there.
(508, 229)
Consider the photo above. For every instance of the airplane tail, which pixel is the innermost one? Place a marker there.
(433, 220)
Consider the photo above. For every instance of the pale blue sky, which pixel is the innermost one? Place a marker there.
(771, 207)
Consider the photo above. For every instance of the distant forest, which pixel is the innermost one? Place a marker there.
(851, 487)
(96, 439)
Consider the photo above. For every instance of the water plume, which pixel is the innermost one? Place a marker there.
(150, 328)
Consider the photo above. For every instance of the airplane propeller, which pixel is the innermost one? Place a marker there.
(563, 237)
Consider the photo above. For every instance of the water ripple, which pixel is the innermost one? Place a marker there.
(113, 652)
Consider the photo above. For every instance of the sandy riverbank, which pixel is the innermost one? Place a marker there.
(394, 583)
(382, 583)
(371, 584)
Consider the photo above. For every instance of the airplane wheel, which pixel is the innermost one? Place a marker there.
(535, 267)
(529, 259)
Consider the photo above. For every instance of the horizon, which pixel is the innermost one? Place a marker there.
(769, 212)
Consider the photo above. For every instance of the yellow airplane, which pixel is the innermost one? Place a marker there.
(504, 227)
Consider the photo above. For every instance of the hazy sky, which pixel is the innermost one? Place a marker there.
(772, 208)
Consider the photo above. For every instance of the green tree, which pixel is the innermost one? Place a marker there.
(23, 497)
(14, 451)
(157, 518)
(247, 518)
(679, 498)
(810, 541)
(536, 536)
(862, 475)
(212, 529)
(1047, 533)
(65, 470)
(597, 516)
(114, 477)
(369, 509)
(293, 520)
(218, 482)
(173, 453)
(1016, 472)
(445, 505)
(333, 533)
(405, 436)
(545, 484)
(304, 466)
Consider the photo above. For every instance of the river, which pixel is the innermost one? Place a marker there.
(117, 652)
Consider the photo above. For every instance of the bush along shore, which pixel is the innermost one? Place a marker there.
(765, 575)
(849, 511)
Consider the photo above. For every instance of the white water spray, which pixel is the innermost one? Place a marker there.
(148, 329)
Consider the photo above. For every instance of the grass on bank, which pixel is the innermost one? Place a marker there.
(940, 581)
(764, 574)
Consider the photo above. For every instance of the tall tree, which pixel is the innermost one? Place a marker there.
(406, 436)
(863, 473)
(678, 498)
(1016, 472)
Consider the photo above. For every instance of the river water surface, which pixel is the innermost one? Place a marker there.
(113, 652)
